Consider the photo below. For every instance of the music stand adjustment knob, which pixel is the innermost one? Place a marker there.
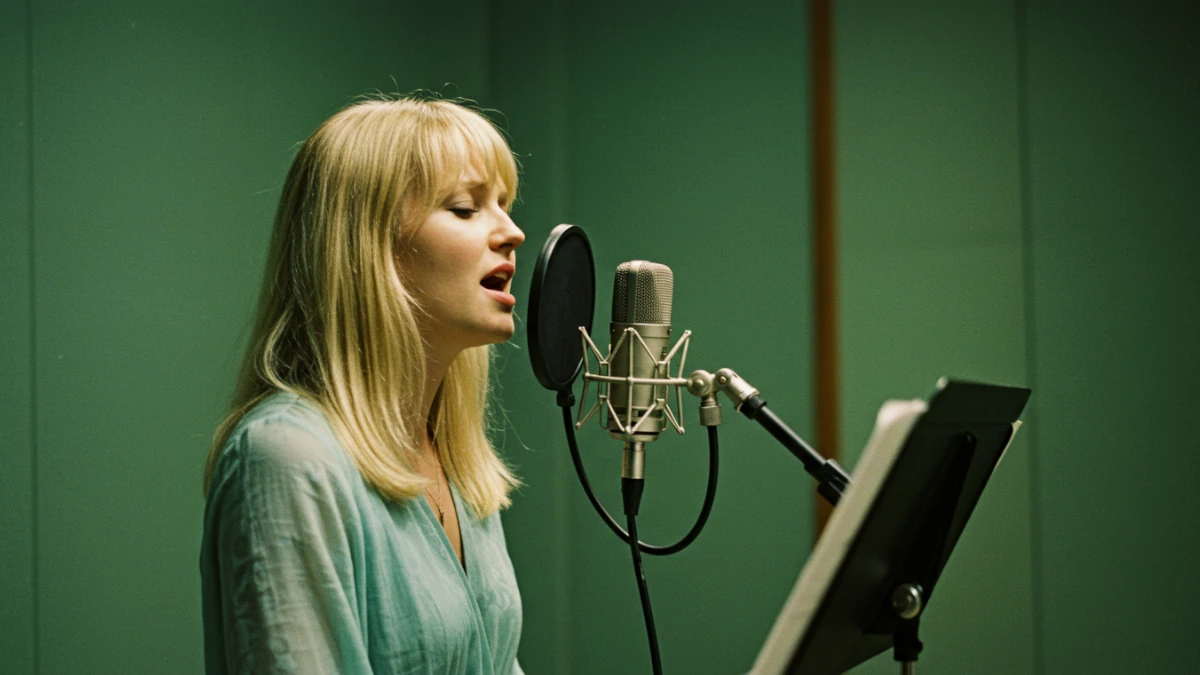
(907, 601)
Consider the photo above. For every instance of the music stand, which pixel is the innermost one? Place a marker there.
(875, 566)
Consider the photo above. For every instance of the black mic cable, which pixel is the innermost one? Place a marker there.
(566, 400)
(643, 591)
(631, 495)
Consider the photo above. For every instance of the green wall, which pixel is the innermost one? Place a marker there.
(16, 348)
(1015, 185)
(1112, 170)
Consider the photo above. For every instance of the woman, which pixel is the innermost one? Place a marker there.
(352, 518)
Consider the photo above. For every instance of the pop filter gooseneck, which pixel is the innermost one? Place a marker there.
(561, 300)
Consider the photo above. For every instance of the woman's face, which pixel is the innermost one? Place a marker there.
(459, 264)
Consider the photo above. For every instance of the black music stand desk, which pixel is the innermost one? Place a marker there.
(875, 567)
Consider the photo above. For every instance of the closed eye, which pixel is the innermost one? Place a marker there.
(463, 212)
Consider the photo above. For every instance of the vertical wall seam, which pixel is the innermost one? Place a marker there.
(33, 400)
(1035, 531)
(827, 385)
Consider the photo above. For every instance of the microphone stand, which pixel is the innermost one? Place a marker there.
(831, 478)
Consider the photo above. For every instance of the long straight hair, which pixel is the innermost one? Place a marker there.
(336, 324)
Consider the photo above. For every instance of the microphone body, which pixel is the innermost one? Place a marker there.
(640, 334)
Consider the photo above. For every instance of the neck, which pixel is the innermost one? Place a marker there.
(437, 362)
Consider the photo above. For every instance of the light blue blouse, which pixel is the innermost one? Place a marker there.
(306, 569)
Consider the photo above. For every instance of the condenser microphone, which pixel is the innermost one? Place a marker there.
(640, 334)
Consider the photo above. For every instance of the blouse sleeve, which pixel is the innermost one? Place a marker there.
(283, 529)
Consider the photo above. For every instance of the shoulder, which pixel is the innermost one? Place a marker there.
(283, 485)
(284, 432)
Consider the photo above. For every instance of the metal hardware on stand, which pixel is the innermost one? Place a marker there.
(907, 603)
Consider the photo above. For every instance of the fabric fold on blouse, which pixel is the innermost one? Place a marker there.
(307, 569)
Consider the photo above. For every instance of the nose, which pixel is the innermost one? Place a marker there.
(507, 235)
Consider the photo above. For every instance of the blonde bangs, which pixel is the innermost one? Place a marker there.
(459, 140)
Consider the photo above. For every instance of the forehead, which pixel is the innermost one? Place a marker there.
(473, 174)
(471, 150)
(475, 177)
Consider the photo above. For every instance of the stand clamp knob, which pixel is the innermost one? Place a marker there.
(702, 383)
(907, 601)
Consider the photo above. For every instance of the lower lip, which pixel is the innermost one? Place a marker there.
(503, 298)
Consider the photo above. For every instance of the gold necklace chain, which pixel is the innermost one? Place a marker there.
(441, 513)
(437, 502)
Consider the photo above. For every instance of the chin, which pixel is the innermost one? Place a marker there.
(498, 334)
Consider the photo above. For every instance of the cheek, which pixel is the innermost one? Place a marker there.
(443, 265)
(454, 255)
(443, 253)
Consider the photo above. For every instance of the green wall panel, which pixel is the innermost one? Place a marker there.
(163, 133)
(1114, 157)
(931, 277)
(688, 146)
(17, 538)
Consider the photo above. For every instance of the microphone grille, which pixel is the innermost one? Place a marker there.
(642, 292)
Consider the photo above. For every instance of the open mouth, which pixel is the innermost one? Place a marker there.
(498, 278)
(495, 282)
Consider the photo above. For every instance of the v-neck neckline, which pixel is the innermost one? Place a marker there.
(445, 536)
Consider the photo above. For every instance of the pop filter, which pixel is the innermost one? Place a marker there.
(561, 300)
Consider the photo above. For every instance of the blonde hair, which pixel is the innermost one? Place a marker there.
(336, 323)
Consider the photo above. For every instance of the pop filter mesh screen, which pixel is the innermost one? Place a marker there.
(566, 302)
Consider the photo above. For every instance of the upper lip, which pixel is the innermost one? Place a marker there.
(504, 270)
